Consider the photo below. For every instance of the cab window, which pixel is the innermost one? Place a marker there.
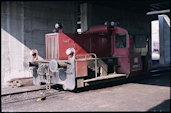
(120, 40)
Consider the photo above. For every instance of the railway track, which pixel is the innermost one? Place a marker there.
(38, 95)
(42, 93)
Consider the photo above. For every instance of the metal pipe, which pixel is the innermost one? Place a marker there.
(158, 12)
(85, 58)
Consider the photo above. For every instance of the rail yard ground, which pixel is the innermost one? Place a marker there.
(150, 93)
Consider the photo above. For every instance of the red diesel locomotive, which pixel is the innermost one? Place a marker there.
(100, 53)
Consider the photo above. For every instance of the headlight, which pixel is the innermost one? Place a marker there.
(56, 25)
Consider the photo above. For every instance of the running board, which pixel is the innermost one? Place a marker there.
(105, 77)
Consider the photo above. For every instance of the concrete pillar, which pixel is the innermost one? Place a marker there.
(86, 14)
(164, 39)
(83, 11)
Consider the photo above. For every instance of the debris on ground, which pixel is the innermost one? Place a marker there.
(19, 82)
(41, 98)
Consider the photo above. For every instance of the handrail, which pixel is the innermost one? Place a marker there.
(95, 62)
(91, 59)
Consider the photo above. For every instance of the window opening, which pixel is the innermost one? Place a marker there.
(120, 40)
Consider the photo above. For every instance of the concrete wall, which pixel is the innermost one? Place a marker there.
(164, 38)
(40, 18)
(12, 40)
(135, 23)
(23, 27)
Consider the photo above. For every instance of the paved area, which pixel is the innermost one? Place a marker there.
(147, 94)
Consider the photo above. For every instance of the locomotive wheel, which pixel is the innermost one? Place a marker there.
(79, 85)
(64, 87)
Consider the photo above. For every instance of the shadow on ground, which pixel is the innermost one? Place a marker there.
(163, 107)
(160, 79)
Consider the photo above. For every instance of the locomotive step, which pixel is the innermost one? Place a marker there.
(106, 77)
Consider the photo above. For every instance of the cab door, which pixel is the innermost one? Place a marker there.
(120, 49)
